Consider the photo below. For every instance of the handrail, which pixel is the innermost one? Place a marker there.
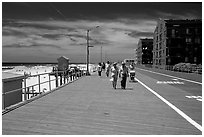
(65, 77)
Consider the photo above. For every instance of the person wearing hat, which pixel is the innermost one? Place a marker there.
(123, 75)
(114, 75)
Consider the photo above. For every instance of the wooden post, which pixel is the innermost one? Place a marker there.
(3, 96)
(49, 82)
(60, 78)
(25, 88)
(67, 76)
(39, 82)
(64, 77)
(70, 76)
(32, 91)
(28, 92)
(57, 79)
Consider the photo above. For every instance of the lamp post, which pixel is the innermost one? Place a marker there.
(101, 55)
(87, 58)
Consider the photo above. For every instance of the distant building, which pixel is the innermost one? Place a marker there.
(177, 41)
(135, 57)
(63, 63)
(144, 53)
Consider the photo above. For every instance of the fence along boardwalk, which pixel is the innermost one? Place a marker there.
(91, 106)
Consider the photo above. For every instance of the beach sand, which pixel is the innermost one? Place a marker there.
(44, 77)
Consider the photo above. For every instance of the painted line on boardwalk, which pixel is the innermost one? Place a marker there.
(171, 76)
(173, 107)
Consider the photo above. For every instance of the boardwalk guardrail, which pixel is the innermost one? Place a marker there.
(42, 86)
(191, 69)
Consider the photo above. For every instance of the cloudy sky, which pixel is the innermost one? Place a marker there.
(41, 32)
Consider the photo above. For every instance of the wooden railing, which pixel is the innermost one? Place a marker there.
(33, 91)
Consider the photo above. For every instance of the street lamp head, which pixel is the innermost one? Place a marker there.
(93, 28)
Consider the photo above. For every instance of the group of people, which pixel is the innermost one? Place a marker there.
(115, 72)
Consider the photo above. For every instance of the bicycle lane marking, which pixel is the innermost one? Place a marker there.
(171, 76)
(191, 121)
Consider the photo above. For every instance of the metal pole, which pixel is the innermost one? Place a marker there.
(87, 53)
(101, 54)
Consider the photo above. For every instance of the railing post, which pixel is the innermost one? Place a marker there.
(60, 78)
(28, 91)
(70, 76)
(39, 82)
(49, 82)
(3, 101)
(3, 96)
(25, 88)
(33, 91)
(56, 78)
(64, 76)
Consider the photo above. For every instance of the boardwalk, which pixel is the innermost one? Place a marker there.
(91, 106)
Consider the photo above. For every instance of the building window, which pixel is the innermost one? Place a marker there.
(196, 49)
(173, 32)
(195, 59)
(167, 53)
(160, 37)
(197, 40)
(187, 31)
(186, 59)
(160, 45)
(196, 30)
(188, 40)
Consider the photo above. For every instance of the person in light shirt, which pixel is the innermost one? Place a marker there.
(108, 68)
(114, 75)
(99, 68)
(123, 75)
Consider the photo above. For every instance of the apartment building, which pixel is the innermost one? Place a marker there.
(144, 51)
(177, 41)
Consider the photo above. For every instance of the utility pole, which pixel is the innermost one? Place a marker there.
(87, 52)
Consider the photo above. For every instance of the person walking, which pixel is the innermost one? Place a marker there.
(99, 68)
(103, 66)
(132, 73)
(123, 75)
(107, 68)
(114, 75)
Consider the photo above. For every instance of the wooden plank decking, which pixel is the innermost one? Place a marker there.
(91, 106)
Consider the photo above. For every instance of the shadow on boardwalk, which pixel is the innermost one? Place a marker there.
(91, 106)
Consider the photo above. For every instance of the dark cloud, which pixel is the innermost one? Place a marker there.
(97, 10)
(16, 33)
(76, 36)
(34, 45)
(137, 34)
(51, 36)
(60, 26)
(25, 24)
